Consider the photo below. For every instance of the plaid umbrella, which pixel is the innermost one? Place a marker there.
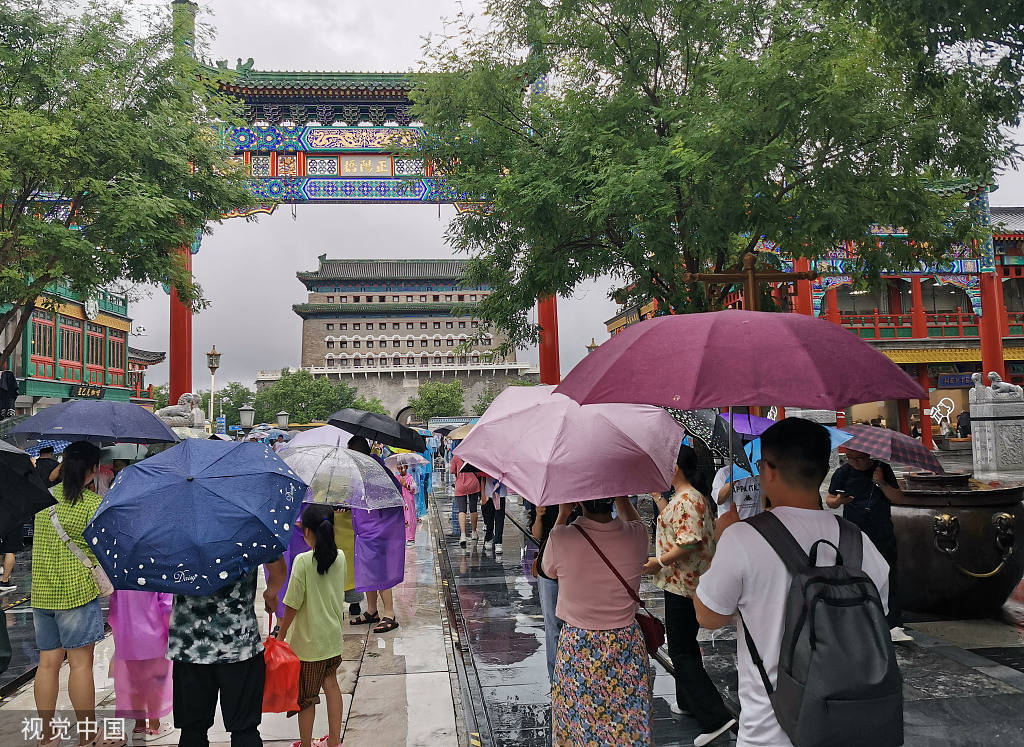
(891, 446)
(714, 432)
(58, 446)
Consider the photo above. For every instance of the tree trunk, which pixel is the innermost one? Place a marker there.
(12, 345)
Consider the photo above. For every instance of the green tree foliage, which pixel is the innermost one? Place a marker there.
(674, 135)
(161, 396)
(108, 161)
(485, 399)
(229, 399)
(306, 399)
(371, 404)
(491, 391)
(437, 399)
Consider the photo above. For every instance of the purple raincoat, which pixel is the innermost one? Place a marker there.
(380, 548)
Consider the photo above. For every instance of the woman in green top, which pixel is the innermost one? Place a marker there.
(65, 600)
(313, 624)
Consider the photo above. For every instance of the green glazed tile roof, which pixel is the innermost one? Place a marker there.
(362, 309)
(314, 80)
(956, 186)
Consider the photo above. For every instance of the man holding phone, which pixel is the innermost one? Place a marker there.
(866, 488)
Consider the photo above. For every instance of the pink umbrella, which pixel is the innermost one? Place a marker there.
(556, 451)
(688, 361)
(514, 399)
(325, 435)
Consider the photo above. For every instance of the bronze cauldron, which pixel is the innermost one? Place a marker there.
(960, 544)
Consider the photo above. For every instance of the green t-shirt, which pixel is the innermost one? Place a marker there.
(59, 580)
(319, 600)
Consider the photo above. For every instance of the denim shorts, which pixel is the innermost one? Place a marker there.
(462, 500)
(73, 628)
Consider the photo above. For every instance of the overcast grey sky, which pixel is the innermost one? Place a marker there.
(247, 270)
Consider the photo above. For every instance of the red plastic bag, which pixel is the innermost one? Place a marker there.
(281, 689)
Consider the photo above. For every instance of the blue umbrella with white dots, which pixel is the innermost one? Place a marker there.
(195, 517)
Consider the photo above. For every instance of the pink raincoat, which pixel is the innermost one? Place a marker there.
(142, 671)
(409, 490)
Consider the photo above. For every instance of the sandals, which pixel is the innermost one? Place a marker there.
(365, 618)
(387, 624)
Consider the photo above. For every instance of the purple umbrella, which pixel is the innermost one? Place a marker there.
(748, 425)
(755, 358)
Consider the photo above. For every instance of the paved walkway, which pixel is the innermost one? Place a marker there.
(396, 687)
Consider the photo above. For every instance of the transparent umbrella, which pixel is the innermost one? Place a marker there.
(338, 476)
(408, 459)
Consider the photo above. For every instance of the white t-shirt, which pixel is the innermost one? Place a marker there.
(746, 493)
(747, 575)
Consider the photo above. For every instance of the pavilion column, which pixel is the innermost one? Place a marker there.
(180, 346)
(803, 303)
(925, 406)
(903, 413)
(547, 318)
(918, 321)
(832, 306)
(1004, 316)
(991, 326)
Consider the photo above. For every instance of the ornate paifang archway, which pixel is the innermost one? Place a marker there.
(323, 138)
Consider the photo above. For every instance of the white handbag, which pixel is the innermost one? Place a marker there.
(98, 574)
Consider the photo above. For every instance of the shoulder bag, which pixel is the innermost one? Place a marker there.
(652, 628)
(98, 575)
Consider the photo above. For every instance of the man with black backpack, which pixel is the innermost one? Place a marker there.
(816, 665)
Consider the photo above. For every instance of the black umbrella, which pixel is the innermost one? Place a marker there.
(444, 430)
(714, 432)
(380, 428)
(22, 493)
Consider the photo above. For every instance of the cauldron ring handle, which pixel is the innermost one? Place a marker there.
(946, 529)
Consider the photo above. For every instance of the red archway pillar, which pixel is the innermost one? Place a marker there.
(803, 302)
(180, 346)
(547, 318)
(924, 406)
(991, 326)
(832, 306)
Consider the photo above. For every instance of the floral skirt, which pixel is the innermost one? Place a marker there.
(601, 691)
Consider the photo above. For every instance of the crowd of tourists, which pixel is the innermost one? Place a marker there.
(176, 654)
(712, 571)
(722, 547)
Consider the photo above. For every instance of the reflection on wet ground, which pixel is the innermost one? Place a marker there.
(19, 622)
(499, 600)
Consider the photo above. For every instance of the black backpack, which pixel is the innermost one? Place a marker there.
(838, 680)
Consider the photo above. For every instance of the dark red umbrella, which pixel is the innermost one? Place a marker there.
(891, 446)
(754, 358)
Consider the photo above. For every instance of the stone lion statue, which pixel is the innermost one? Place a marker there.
(1003, 387)
(184, 414)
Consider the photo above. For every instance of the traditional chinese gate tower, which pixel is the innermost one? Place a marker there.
(316, 137)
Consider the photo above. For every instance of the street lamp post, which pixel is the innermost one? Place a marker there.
(282, 420)
(246, 417)
(213, 362)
